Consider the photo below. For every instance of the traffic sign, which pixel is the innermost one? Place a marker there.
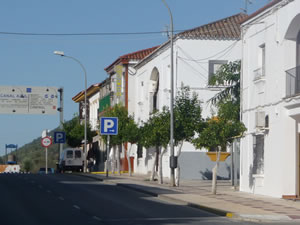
(46, 141)
(59, 137)
(109, 126)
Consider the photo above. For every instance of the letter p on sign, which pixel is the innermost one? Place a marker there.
(109, 126)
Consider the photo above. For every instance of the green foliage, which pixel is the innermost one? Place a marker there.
(187, 115)
(229, 76)
(123, 121)
(156, 131)
(220, 130)
(75, 132)
(132, 132)
(27, 165)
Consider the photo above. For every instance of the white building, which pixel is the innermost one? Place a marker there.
(198, 53)
(270, 100)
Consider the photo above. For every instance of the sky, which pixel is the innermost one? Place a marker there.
(28, 60)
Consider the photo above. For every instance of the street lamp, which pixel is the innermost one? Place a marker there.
(173, 160)
(60, 53)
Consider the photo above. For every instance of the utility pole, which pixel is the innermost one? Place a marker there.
(247, 3)
(173, 159)
(61, 116)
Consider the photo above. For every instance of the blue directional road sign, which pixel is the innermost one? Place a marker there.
(109, 126)
(59, 137)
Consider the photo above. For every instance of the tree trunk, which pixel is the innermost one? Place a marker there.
(113, 163)
(154, 164)
(177, 170)
(118, 159)
(128, 159)
(215, 172)
(160, 166)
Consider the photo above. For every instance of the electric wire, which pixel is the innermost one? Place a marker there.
(213, 56)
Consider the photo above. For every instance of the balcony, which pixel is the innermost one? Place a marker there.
(293, 81)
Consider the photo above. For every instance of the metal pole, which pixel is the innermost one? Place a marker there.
(61, 116)
(235, 163)
(85, 109)
(172, 158)
(107, 154)
(46, 169)
(6, 157)
(232, 165)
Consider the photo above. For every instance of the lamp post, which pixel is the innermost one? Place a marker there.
(60, 53)
(173, 160)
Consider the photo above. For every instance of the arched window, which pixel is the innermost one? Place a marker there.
(153, 90)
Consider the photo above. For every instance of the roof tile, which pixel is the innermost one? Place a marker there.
(228, 28)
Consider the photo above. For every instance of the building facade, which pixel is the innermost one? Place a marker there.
(270, 100)
(198, 54)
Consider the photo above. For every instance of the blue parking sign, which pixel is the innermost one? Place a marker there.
(59, 137)
(109, 126)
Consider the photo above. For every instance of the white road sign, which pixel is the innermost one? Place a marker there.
(46, 141)
(28, 100)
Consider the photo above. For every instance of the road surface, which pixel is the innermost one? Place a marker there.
(62, 199)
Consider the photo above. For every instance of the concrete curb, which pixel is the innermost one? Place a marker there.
(219, 212)
(190, 204)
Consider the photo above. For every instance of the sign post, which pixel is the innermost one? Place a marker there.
(46, 142)
(108, 126)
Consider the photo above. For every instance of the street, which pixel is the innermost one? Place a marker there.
(68, 199)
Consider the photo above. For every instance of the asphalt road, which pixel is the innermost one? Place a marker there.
(31, 199)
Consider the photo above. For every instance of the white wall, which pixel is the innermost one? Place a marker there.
(94, 106)
(190, 68)
(269, 95)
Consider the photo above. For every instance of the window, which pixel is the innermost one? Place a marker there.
(77, 154)
(214, 66)
(262, 59)
(69, 154)
(258, 154)
(139, 151)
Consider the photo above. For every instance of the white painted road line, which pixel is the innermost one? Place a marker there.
(76, 206)
(97, 218)
(61, 198)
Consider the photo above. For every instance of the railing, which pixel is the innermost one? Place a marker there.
(293, 81)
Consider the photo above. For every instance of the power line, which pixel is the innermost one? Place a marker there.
(85, 34)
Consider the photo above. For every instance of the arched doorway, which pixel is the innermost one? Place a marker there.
(154, 91)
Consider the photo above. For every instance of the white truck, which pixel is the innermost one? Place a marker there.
(71, 159)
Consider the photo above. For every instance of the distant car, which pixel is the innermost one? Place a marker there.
(42, 170)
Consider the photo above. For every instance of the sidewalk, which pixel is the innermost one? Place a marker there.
(197, 193)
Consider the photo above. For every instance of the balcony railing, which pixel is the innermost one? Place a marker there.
(293, 81)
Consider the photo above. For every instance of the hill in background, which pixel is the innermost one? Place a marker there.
(33, 154)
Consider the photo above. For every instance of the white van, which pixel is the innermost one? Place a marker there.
(71, 159)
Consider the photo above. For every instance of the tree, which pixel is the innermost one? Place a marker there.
(75, 132)
(132, 135)
(227, 76)
(121, 138)
(187, 117)
(220, 130)
(27, 165)
(156, 133)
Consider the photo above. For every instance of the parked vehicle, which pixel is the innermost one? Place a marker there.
(71, 159)
(42, 170)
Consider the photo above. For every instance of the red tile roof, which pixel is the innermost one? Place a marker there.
(138, 55)
(227, 28)
(274, 2)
